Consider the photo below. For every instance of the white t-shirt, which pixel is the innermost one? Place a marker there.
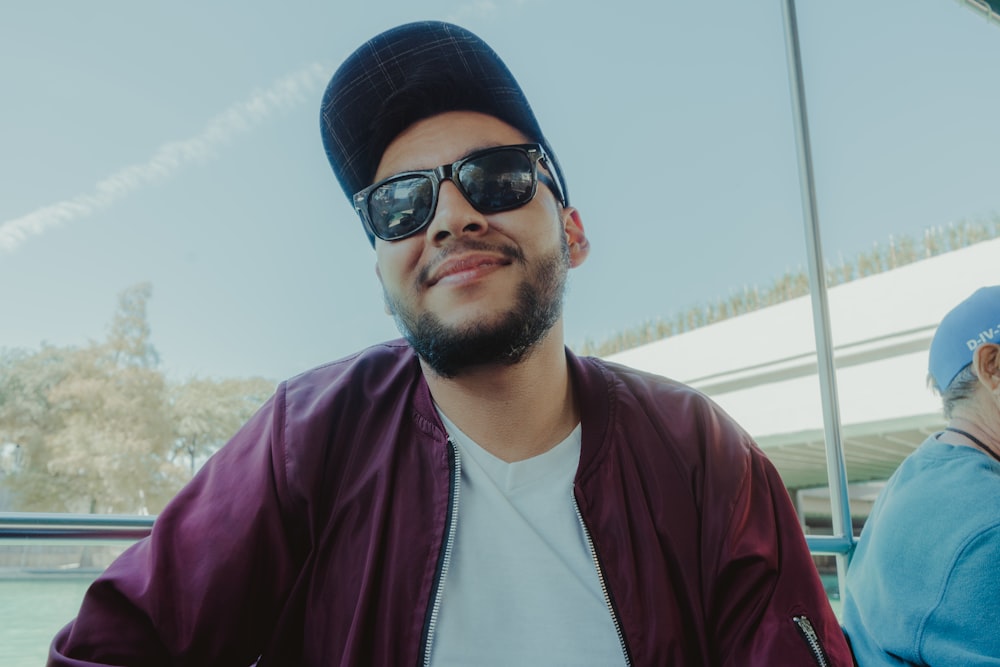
(521, 588)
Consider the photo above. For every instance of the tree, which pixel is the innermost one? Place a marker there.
(26, 414)
(101, 439)
(99, 429)
(206, 413)
(129, 336)
(27, 417)
(112, 454)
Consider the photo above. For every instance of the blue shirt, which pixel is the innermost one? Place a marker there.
(923, 587)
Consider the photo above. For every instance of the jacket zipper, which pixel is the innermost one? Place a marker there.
(455, 471)
(809, 633)
(604, 585)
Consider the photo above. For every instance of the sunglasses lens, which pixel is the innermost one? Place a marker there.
(494, 180)
(401, 207)
(499, 180)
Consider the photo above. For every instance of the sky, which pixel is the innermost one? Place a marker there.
(178, 144)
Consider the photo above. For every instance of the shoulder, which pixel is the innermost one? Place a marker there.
(388, 357)
(942, 485)
(655, 417)
(366, 390)
(678, 408)
(924, 592)
(333, 419)
(631, 386)
(937, 523)
(375, 371)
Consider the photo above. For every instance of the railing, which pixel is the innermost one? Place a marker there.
(114, 527)
(833, 545)
(72, 527)
(33, 526)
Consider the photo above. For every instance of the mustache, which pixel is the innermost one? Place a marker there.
(510, 252)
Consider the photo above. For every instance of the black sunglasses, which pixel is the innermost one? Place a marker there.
(491, 180)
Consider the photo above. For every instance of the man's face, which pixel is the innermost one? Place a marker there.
(473, 288)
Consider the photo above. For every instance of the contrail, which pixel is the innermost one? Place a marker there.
(242, 117)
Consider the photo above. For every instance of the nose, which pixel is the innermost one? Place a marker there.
(454, 216)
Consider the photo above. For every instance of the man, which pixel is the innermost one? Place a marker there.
(475, 495)
(923, 587)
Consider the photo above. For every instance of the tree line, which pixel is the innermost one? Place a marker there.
(899, 251)
(100, 429)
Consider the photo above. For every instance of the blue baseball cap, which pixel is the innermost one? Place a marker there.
(409, 73)
(968, 325)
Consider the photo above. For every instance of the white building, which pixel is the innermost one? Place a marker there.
(762, 369)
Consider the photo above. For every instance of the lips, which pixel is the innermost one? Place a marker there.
(468, 263)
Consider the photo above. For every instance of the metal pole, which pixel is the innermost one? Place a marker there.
(89, 527)
(835, 468)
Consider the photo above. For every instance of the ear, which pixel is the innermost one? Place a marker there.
(986, 364)
(576, 238)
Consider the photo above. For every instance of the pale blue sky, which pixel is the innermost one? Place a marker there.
(179, 144)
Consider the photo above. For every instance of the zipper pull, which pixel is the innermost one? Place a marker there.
(809, 634)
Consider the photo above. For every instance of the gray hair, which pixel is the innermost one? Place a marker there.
(961, 388)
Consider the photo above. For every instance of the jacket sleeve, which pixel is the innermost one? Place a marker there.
(210, 580)
(767, 605)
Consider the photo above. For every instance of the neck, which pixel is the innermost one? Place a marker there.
(514, 412)
(964, 431)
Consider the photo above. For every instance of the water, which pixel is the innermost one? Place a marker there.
(32, 611)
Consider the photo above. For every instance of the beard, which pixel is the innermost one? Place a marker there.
(507, 340)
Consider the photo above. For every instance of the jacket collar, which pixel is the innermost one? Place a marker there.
(594, 387)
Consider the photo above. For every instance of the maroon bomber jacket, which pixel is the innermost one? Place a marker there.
(315, 536)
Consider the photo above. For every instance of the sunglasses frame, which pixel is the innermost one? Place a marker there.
(447, 172)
